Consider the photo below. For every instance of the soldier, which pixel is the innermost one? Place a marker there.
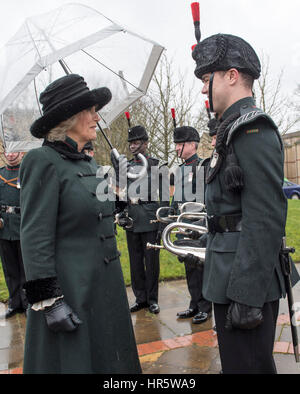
(187, 139)
(246, 208)
(10, 249)
(144, 263)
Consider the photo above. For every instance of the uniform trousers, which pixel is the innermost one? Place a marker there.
(194, 278)
(247, 351)
(14, 274)
(144, 266)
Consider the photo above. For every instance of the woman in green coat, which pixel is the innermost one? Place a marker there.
(79, 320)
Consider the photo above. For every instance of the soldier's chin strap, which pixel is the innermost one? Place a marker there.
(181, 151)
(211, 80)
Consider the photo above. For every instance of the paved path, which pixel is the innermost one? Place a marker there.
(165, 345)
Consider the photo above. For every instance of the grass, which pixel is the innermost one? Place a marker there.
(170, 268)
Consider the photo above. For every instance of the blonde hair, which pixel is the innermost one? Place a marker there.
(59, 133)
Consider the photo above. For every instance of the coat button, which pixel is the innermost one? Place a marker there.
(106, 260)
(100, 217)
(80, 174)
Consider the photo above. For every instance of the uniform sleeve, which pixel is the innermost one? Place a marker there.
(264, 210)
(39, 206)
(164, 187)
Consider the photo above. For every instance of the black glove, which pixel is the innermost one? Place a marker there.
(60, 318)
(120, 166)
(195, 234)
(243, 316)
(124, 220)
(191, 260)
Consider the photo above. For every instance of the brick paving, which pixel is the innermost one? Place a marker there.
(165, 344)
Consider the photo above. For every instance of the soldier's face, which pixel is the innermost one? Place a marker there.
(137, 146)
(213, 141)
(84, 129)
(13, 158)
(188, 150)
(220, 90)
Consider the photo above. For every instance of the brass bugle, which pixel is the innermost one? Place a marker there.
(154, 246)
(190, 215)
(192, 206)
(183, 250)
(165, 219)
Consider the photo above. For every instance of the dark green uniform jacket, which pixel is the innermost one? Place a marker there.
(143, 213)
(244, 266)
(10, 196)
(68, 234)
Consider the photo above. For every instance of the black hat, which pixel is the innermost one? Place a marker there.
(185, 134)
(221, 52)
(137, 133)
(88, 146)
(64, 98)
(212, 126)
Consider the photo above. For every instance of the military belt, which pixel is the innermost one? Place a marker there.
(9, 209)
(224, 224)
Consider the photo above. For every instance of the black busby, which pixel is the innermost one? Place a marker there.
(64, 98)
(186, 134)
(137, 133)
(221, 52)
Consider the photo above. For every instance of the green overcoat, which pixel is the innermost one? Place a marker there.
(244, 266)
(69, 248)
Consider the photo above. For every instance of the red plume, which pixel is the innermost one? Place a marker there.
(127, 114)
(207, 109)
(173, 116)
(196, 18)
(193, 47)
(196, 11)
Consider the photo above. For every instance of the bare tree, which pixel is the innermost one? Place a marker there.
(269, 98)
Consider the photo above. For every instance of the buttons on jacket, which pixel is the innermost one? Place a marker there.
(107, 260)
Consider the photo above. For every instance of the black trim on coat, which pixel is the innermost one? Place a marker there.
(42, 289)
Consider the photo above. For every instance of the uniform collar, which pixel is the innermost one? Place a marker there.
(191, 159)
(246, 101)
(13, 168)
(136, 160)
(71, 143)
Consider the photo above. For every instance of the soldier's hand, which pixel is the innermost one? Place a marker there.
(60, 317)
(123, 220)
(191, 260)
(242, 316)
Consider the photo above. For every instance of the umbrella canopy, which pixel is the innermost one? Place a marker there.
(90, 44)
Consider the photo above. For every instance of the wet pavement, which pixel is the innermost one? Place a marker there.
(166, 345)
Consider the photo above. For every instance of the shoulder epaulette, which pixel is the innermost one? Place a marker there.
(246, 119)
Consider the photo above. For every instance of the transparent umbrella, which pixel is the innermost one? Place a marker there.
(72, 38)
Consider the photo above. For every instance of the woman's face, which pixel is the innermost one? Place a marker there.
(84, 129)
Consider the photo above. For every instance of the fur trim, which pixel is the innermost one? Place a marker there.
(42, 289)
